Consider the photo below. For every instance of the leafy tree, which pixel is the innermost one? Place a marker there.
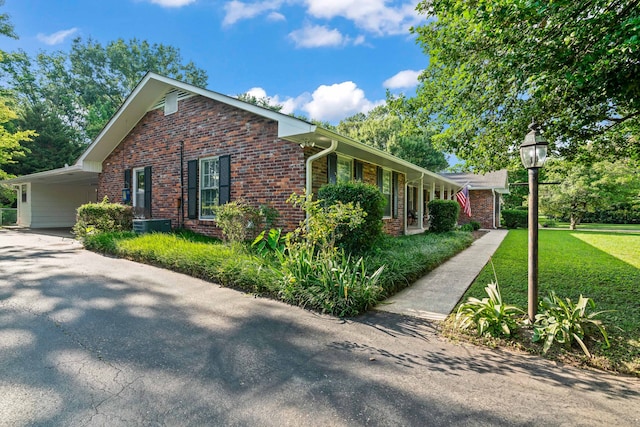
(386, 131)
(10, 139)
(495, 64)
(84, 87)
(586, 188)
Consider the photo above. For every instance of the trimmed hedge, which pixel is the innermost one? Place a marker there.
(102, 217)
(515, 218)
(443, 215)
(364, 237)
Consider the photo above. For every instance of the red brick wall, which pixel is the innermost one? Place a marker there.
(264, 169)
(481, 209)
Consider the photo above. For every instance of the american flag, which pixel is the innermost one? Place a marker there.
(463, 199)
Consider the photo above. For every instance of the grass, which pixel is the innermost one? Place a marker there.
(405, 258)
(604, 266)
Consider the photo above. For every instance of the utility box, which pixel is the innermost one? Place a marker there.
(151, 225)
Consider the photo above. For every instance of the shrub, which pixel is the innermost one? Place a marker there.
(515, 218)
(565, 322)
(269, 243)
(102, 217)
(443, 215)
(237, 220)
(475, 225)
(489, 316)
(466, 227)
(363, 237)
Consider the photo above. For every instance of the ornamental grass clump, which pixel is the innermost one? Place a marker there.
(489, 316)
(564, 322)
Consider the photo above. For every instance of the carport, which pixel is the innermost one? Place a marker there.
(50, 199)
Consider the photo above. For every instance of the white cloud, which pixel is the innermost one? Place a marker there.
(172, 3)
(371, 15)
(327, 103)
(275, 16)
(338, 101)
(238, 10)
(403, 80)
(57, 37)
(317, 36)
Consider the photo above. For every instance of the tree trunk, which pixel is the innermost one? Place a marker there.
(573, 223)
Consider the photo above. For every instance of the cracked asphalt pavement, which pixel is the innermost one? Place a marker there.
(88, 340)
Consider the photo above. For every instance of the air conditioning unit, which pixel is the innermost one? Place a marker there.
(151, 225)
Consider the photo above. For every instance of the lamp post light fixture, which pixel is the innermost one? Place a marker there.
(533, 153)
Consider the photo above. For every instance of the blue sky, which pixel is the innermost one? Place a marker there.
(326, 59)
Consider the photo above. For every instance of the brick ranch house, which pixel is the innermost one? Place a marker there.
(177, 150)
(485, 195)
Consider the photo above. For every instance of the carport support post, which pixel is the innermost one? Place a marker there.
(533, 243)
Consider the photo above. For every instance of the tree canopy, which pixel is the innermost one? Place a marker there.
(382, 129)
(496, 64)
(585, 188)
(85, 86)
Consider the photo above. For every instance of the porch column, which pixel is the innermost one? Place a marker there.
(421, 204)
(441, 192)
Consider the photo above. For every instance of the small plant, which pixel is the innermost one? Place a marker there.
(466, 227)
(564, 322)
(236, 219)
(269, 243)
(489, 316)
(475, 224)
(549, 223)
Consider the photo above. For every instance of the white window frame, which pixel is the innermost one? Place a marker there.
(345, 160)
(389, 196)
(211, 185)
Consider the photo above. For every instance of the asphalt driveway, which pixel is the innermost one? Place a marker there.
(92, 340)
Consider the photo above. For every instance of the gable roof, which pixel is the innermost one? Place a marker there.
(153, 88)
(497, 180)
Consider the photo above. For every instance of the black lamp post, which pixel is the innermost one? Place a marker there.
(533, 153)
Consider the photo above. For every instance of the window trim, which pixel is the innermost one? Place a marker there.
(201, 186)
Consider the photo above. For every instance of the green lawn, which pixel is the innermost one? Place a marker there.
(604, 266)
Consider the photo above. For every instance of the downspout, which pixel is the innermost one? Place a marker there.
(181, 207)
(311, 159)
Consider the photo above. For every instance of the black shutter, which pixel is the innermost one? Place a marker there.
(358, 170)
(395, 186)
(192, 189)
(147, 192)
(379, 177)
(225, 179)
(332, 168)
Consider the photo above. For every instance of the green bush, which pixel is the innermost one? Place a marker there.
(93, 218)
(515, 218)
(489, 316)
(443, 215)
(9, 216)
(466, 227)
(363, 237)
(237, 220)
(475, 224)
(564, 322)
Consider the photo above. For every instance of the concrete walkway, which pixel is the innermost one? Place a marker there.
(435, 295)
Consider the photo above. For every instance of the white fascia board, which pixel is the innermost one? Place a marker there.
(43, 175)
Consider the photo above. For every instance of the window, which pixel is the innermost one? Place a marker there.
(386, 191)
(209, 186)
(345, 169)
(24, 193)
(138, 188)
